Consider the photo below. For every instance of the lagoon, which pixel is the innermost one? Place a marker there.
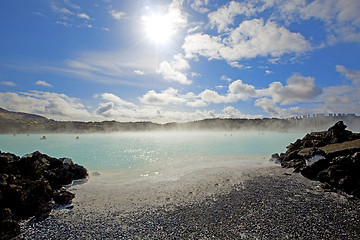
(151, 154)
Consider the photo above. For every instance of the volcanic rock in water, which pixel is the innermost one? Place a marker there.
(29, 184)
(331, 157)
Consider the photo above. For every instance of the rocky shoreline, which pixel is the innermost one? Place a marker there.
(331, 157)
(31, 186)
(271, 203)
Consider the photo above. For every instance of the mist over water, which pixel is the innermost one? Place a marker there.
(146, 154)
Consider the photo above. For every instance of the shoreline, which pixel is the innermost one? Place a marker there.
(263, 202)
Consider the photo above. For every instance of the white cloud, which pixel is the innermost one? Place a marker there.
(199, 5)
(139, 72)
(70, 14)
(212, 97)
(255, 38)
(252, 38)
(349, 11)
(194, 74)
(43, 83)
(52, 105)
(332, 11)
(225, 78)
(340, 99)
(232, 112)
(196, 103)
(269, 106)
(72, 5)
(151, 113)
(224, 16)
(237, 91)
(237, 65)
(110, 67)
(311, 99)
(83, 16)
(242, 90)
(353, 75)
(104, 108)
(180, 63)
(194, 29)
(172, 71)
(298, 88)
(171, 74)
(118, 15)
(202, 44)
(39, 13)
(341, 18)
(7, 83)
(169, 96)
(176, 15)
(65, 11)
(105, 67)
(116, 100)
(65, 24)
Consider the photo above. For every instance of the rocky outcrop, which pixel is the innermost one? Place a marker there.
(331, 157)
(29, 186)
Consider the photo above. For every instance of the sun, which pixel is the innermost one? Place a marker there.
(158, 28)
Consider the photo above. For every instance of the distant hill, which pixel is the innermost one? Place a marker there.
(8, 115)
(17, 122)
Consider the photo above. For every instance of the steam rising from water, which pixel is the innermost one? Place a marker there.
(155, 154)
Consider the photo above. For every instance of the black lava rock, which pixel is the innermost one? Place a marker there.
(338, 162)
(29, 184)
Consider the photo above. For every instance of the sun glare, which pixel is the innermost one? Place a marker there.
(158, 28)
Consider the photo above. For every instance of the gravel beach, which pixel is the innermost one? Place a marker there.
(266, 202)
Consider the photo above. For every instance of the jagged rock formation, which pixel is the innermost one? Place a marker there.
(331, 157)
(30, 185)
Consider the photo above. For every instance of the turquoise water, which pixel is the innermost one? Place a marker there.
(152, 152)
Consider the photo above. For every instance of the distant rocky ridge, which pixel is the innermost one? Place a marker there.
(31, 186)
(331, 157)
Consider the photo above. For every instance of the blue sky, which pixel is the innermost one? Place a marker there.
(179, 60)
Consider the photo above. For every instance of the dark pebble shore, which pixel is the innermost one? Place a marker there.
(272, 203)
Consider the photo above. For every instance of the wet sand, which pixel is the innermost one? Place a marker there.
(265, 202)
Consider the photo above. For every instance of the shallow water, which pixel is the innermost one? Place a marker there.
(155, 153)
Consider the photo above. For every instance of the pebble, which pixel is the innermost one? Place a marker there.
(275, 206)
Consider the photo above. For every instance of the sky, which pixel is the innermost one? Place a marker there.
(180, 60)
